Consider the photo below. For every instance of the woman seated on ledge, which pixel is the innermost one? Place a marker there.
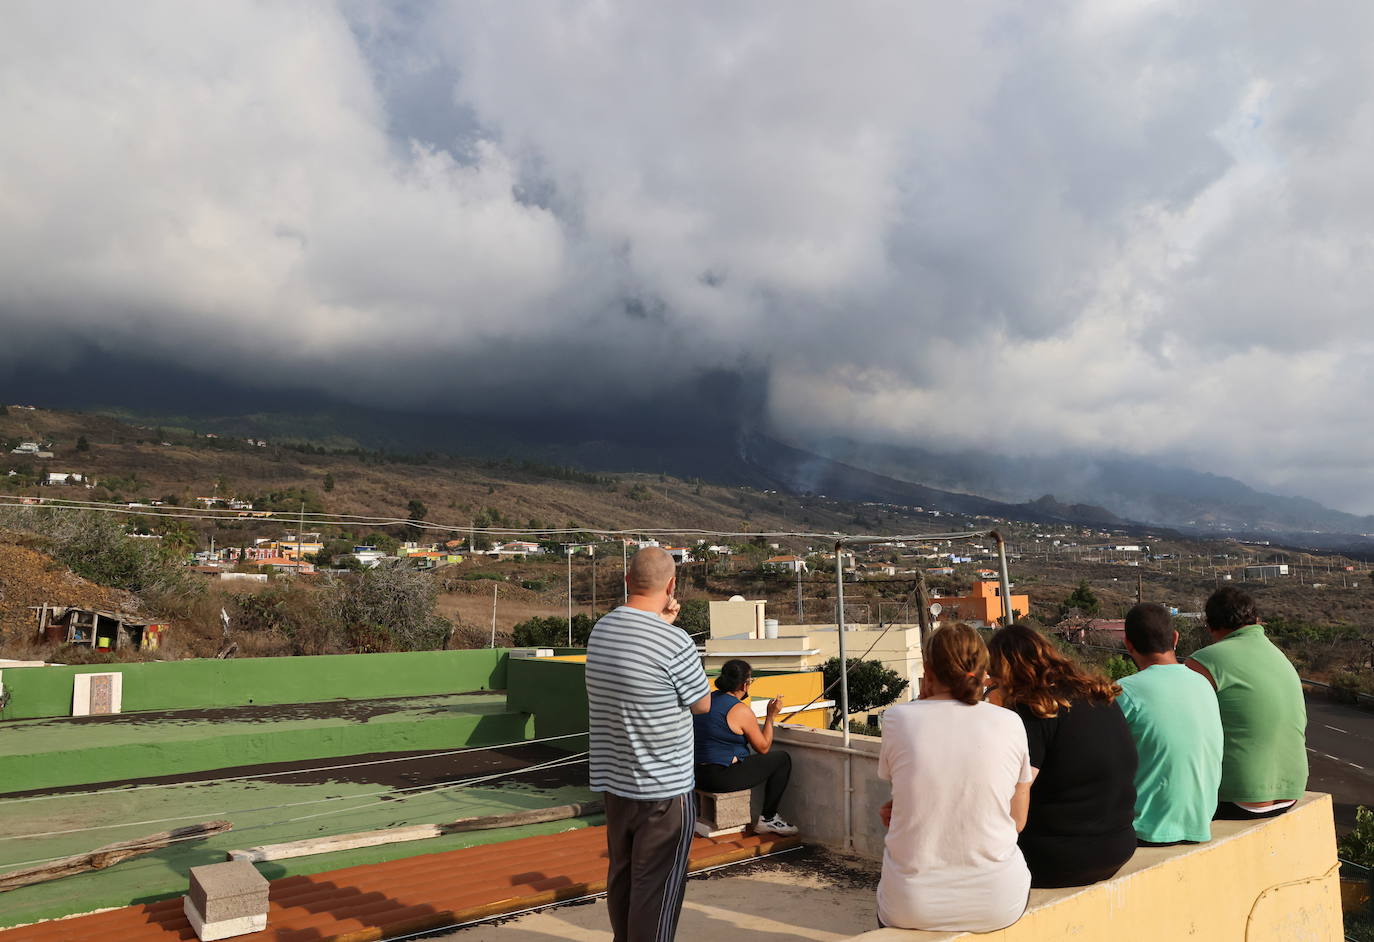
(724, 735)
(1082, 805)
(960, 774)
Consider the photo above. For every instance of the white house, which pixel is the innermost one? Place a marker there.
(31, 449)
(67, 479)
(785, 564)
(368, 556)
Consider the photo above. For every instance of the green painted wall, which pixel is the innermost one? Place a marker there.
(215, 749)
(37, 692)
(555, 692)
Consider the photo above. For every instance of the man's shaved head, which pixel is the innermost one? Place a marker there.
(650, 570)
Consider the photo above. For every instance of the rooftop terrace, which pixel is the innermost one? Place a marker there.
(292, 771)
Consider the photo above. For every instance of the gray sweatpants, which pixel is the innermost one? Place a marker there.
(648, 843)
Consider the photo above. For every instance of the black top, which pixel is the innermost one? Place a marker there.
(1082, 805)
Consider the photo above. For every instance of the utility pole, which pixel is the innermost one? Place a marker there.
(592, 550)
(624, 570)
(300, 535)
(493, 615)
(801, 613)
(570, 552)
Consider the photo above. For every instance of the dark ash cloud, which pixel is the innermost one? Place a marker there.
(1122, 227)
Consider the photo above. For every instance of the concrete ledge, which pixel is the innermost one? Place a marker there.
(1273, 879)
(814, 801)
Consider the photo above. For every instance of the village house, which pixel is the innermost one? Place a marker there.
(66, 479)
(785, 564)
(31, 450)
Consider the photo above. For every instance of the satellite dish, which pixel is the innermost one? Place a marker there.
(936, 608)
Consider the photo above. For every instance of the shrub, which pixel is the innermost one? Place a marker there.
(388, 610)
(871, 684)
(552, 632)
(695, 618)
(1358, 846)
(1118, 667)
(97, 547)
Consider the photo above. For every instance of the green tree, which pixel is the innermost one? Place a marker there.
(416, 510)
(1118, 667)
(552, 632)
(1081, 599)
(1358, 846)
(695, 618)
(82, 444)
(871, 685)
(328, 484)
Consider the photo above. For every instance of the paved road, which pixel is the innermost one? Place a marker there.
(1340, 755)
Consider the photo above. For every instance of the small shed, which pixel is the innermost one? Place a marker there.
(106, 631)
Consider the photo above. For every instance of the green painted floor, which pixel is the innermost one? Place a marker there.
(58, 752)
(261, 811)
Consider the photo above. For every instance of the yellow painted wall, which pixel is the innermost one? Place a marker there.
(795, 690)
(1265, 881)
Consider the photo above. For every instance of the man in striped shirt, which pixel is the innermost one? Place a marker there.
(644, 680)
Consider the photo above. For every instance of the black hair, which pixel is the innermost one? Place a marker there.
(1229, 608)
(733, 675)
(1149, 628)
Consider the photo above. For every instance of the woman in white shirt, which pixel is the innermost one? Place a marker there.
(961, 776)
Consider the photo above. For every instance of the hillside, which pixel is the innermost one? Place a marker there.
(131, 463)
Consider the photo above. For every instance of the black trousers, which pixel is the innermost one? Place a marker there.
(772, 770)
(648, 843)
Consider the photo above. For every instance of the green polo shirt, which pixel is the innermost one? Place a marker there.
(1173, 716)
(1263, 717)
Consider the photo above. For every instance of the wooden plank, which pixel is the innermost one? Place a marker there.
(109, 855)
(417, 832)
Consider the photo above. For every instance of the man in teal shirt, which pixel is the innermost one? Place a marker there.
(1173, 716)
(1263, 716)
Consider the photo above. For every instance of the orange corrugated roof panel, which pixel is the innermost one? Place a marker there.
(429, 891)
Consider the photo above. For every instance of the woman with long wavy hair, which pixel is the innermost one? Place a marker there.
(1082, 803)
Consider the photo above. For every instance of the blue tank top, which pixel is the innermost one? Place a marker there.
(716, 742)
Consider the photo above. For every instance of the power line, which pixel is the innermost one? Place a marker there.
(194, 513)
(122, 790)
(553, 763)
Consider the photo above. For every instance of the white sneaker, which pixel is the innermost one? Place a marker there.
(774, 825)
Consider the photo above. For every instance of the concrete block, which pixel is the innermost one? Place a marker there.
(722, 812)
(228, 891)
(224, 928)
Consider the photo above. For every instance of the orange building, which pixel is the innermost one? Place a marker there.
(982, 606)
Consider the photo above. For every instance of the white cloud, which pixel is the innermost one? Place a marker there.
(1140, 227)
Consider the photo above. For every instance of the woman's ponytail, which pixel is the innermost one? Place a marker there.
(956, 656)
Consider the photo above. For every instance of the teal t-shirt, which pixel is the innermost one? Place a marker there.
(1263, 717)
(1173, 715)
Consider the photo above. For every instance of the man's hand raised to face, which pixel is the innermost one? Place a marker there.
(671, 609)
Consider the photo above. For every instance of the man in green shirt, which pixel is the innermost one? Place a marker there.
(1263, 716)
(1173, 716)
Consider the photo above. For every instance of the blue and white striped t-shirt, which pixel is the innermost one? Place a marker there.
(642, 675)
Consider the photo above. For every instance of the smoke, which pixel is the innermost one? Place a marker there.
(1133, 226)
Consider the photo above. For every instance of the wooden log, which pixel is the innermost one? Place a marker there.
(417, 832)
(109, 855)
